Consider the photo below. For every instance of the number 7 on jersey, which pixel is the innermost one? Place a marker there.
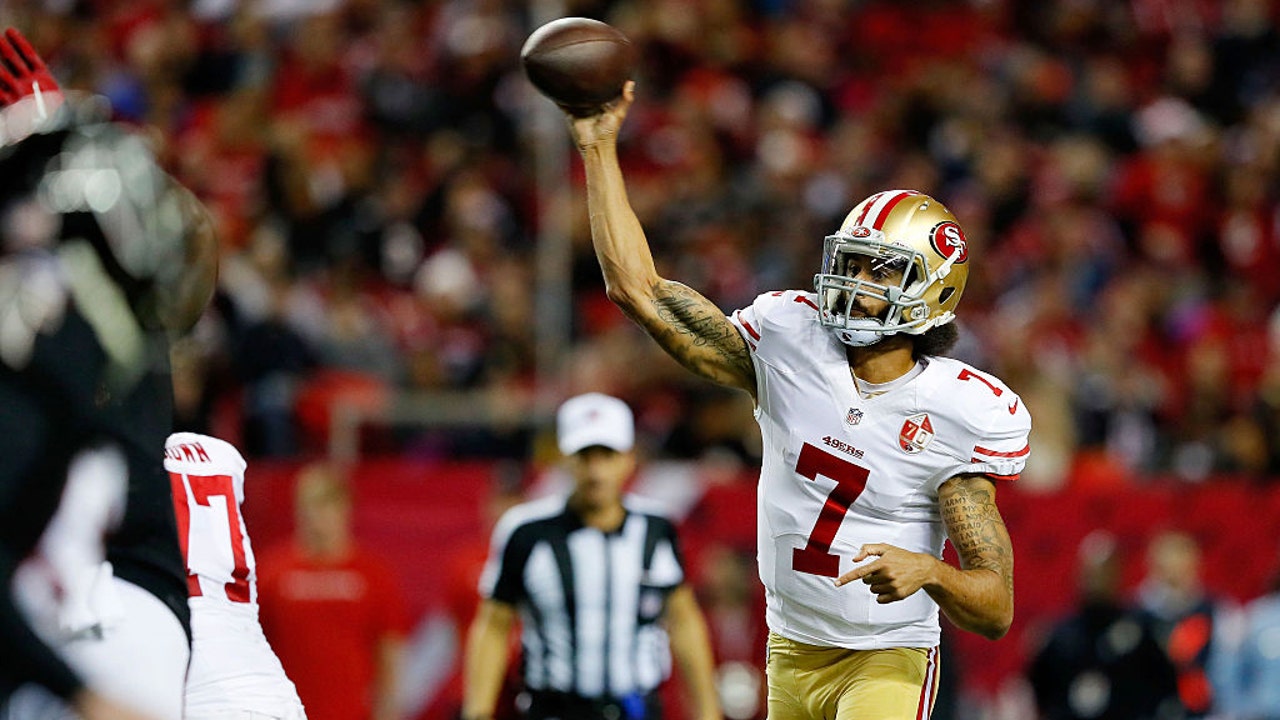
(213, 555)
(815, 557)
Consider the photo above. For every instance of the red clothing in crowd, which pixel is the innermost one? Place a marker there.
(325, 621)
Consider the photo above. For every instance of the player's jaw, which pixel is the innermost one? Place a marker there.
(858, 307)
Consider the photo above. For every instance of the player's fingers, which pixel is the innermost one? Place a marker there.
(12, 57)
(9, 84)
(620, 106)
(857, 573)
(13, 49)
(870, 549)
(28, 53)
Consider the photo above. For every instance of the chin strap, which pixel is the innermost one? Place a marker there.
(861, 336)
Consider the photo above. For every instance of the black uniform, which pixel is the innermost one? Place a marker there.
(47, 414)
(61, 403)
(145, 549)
(65, 384)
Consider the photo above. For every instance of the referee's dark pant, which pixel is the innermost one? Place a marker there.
(567, 706)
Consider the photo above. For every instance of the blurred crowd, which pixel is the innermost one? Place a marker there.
(1116, 166)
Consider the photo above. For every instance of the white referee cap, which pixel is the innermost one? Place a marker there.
(594, 419)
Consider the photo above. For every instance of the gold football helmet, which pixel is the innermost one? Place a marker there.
(916, 260)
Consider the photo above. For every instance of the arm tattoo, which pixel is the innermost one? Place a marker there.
(697, 334)
(975, 527)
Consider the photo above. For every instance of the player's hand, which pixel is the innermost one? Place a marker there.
(22, 69)
(895, 574)
(602, 127)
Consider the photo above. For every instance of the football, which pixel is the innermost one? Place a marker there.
(579, 63)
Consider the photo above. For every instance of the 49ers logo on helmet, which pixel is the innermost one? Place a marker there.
(948, 240)
(861, 231)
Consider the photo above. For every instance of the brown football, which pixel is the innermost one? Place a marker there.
(578, 62)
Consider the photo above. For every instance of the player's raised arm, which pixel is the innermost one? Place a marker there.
(691, 328)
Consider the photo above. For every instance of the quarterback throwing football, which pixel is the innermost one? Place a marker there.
(876, 448)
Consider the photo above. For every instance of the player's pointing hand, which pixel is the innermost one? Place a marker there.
(895, 574)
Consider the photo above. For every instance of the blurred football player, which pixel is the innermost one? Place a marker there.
(876, 448)
(233, 668)
(103, 257)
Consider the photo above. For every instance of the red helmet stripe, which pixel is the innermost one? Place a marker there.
(888, 207)
(866, 207)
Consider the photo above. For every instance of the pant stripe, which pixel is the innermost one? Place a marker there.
(929, 689)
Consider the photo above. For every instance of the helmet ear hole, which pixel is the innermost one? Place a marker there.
(946, 294)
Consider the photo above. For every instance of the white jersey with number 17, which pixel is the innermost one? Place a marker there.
(233, 668)
(842, 469)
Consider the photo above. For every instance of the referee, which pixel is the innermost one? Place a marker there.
(599, 587)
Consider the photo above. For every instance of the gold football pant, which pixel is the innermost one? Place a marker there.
(808, 682)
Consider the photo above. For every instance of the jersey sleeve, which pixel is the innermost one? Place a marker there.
(778, 328)
(1000, 434)
(1001, 455)
(501, 578)
(765, 322)
(663, 560)
(747, 320)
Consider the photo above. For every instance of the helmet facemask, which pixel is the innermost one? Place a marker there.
(895, 274)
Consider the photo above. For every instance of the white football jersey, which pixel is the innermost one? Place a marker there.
(233, 668)
(841, 470)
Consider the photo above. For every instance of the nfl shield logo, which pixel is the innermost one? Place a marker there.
(853, 417)
(917, 433)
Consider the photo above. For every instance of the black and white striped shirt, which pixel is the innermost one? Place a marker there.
(589, 601)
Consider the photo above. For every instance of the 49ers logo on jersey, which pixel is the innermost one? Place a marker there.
(948, 239)
(916, 434)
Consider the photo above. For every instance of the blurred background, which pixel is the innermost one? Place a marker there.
(407, 286)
